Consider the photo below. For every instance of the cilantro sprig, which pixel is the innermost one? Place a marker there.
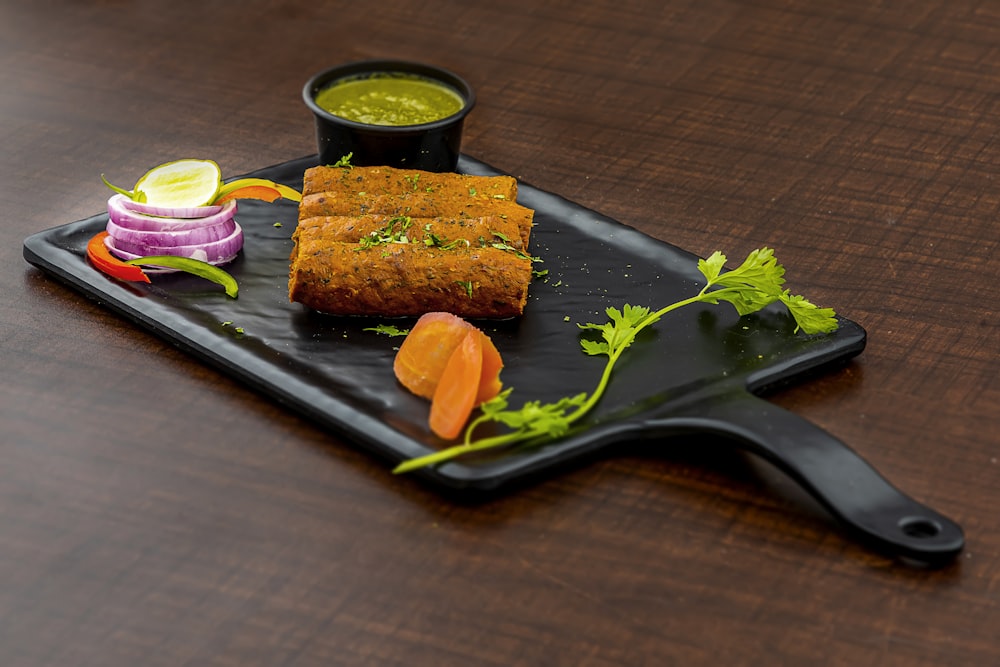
(757, 283)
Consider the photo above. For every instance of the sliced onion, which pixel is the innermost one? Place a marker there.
(170, 212)
(123, 216)
(216, 252)
(109, 243)
(194, 236)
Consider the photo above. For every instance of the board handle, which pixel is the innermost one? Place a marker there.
(843, 482)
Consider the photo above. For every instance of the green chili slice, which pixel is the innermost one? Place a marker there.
(194, 267)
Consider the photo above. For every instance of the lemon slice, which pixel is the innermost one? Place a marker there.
(180, 184)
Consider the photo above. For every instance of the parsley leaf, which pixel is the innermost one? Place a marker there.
(619, 332)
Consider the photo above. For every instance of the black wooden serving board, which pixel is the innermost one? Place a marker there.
(699, 370)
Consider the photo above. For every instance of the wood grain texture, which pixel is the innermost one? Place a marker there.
(154, 512)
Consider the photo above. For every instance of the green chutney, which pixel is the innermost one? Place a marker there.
(390, 99)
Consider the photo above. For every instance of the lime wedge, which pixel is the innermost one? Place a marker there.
(180, 184)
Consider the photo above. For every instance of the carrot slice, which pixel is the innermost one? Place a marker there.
(455, 396)
(426, 349)
(489, 380)
(437, 342)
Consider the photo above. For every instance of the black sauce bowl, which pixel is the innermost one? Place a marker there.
(433, 146)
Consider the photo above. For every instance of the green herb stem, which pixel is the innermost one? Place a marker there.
(753, 285)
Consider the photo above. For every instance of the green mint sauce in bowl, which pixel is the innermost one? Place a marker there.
(388, 98)
(389, 112)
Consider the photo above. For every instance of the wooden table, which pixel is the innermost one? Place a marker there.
(155, 512)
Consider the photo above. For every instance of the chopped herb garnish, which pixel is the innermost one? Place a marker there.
(504, 244)
(467, 284)
(432, 240)
(387, 330)
(394, 231)
(345, 161)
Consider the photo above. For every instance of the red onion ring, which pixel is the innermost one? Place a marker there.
(109, 243)
(217, 252)
(123, 216)
(171, 212)
(194, 236)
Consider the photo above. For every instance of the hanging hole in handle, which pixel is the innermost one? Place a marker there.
(919, 527)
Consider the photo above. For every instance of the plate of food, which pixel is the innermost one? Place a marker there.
(320, 319)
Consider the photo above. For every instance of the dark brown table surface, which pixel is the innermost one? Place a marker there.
(155, 512)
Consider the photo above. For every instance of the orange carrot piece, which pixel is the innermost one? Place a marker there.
(426, 349)
(489, 380)
(455, 396)
(439, 342)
